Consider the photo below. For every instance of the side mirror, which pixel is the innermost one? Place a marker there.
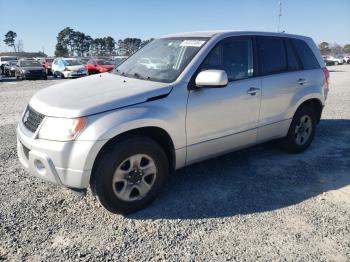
(212, 78)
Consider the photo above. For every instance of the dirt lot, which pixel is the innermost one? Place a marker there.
(257, 204)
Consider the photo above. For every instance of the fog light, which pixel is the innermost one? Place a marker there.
(40, 167)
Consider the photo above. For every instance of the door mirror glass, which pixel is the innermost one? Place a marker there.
(212, 78)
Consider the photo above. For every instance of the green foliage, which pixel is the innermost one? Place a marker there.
(9, 40)
(75, 43)
(61, 50)
(324, 48)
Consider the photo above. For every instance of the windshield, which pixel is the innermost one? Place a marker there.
(12, 63)
(72, 62)
(162, 60)
(49, 60)
(30, 63)
(103, 62)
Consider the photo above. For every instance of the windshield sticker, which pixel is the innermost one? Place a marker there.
(193, 43)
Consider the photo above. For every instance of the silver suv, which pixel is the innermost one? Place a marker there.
(199, 95)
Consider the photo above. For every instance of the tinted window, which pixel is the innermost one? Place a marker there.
(306, 56)
(233, 56)
(293, 62)
(272, 55)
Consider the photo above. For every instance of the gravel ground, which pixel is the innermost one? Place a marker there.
(257, 204)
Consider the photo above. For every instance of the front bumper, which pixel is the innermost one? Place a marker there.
(64, 163)
(29, 75)
(68, 74)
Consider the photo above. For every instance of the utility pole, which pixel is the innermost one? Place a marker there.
(279, 16)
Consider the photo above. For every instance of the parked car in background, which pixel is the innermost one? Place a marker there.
(338, 60)
(4, 60)
(30, 69)
(68, 68)
(328, 61)
(121, 133)
(10, 68)
(47, 64)
(96, 65)
(153, 63)
(347, 59)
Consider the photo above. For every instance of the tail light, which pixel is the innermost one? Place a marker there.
(326, 81)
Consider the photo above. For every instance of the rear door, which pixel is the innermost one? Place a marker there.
(281, 74)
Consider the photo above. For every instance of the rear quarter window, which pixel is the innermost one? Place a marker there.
(305, 54)
(293, 60)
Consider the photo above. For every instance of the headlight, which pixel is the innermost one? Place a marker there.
(61, 129)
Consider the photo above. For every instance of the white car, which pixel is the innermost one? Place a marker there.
(338, 60)
(68, 67)
(152, 63)
(347, 59)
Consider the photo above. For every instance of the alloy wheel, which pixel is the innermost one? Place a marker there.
(134, 177)
(303, 130)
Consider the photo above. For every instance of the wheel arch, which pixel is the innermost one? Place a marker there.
(159, 135)
(314, 103)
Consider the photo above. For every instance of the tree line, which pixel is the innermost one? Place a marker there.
(333, 49)
(75, 43)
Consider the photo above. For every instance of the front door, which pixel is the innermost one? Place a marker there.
(220, 120)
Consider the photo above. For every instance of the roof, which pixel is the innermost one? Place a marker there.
(228, 32)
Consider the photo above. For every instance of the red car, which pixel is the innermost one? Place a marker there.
(47, 63)
(95, 66)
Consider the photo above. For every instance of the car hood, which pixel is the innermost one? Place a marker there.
(95, 94)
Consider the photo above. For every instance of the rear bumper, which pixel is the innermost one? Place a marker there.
(62, 163)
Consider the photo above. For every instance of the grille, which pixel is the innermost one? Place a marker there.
(32, 119)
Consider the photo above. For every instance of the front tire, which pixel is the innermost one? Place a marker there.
(130, 174)
(301, 131)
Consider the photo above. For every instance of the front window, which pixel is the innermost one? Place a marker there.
(71, 62)
(234, 56)
(162, 60)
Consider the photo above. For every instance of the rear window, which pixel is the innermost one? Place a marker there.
(305, 54)
(272, 55)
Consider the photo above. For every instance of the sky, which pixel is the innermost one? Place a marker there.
(37, 22)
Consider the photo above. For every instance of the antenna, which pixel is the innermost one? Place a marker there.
(279, 16)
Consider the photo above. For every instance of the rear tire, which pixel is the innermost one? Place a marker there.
(301, 131)
(123, 186)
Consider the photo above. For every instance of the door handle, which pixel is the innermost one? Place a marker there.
(252, 91)
(302, 81)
